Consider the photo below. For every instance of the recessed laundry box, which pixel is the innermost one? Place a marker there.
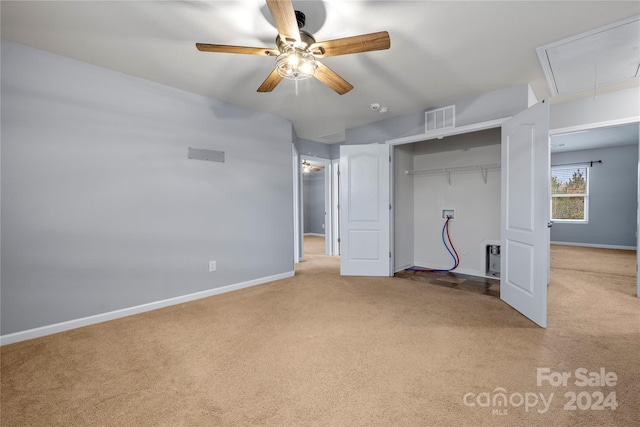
(493, 260)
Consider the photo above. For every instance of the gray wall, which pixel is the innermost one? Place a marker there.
(485, 107)
(102, 210)
(383, 130)
(308, 148)
(606, 107)
(613, 192)
(313, 201)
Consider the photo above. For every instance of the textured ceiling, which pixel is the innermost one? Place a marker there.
(440, 51)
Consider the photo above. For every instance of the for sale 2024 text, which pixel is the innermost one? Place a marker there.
(582, 377)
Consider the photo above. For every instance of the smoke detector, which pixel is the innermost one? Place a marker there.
(379, 108)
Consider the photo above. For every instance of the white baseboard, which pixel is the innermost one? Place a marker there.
(116, 314)
(314, 234)
(591, 245)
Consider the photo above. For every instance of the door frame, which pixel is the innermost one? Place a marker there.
(335, 198)
(606, 124)
(298, 234)
(467, 129)
(329, 218)
(474, 127)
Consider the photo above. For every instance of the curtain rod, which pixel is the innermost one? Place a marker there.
(590, 162)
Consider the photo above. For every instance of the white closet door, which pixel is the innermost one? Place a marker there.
(364, 210)
(525, 212)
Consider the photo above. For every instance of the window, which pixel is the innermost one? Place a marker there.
(570, 193)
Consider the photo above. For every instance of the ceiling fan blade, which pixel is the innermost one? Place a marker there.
(223, 48)
(355, 44)
(331, 79)
(285, 18)
(271, 82)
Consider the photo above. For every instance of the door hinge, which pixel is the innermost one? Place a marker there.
(389, 159)
(389, 254)
(389, 206)
(338, 240)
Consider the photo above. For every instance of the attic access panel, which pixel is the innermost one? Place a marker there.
(603, 56)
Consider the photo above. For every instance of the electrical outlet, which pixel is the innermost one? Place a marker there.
(212, 266)
(449, 213)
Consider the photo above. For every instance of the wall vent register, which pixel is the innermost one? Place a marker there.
(440, 118)
(204, 154)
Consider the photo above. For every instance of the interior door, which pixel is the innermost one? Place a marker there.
(525, 212)
(364, 182)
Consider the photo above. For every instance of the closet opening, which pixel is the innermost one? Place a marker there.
(447, 211)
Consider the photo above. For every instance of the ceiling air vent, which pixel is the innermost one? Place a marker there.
(604, 56)
(440, 118)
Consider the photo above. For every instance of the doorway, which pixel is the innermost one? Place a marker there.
(609, 155)
(315, 201)
(458, 173)
(524, 183)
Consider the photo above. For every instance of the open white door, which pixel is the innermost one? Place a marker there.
(364, 210)
(525, 212)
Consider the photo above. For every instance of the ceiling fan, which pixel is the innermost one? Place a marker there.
(297, 51)
(308, 167)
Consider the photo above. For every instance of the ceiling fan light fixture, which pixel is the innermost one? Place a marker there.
(296, 64)
(298, 54)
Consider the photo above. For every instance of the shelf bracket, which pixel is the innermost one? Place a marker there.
(484, 172)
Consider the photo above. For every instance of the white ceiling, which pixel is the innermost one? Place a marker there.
(596, 138)
(440, 51)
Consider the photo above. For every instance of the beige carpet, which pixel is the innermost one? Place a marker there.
(323, 350)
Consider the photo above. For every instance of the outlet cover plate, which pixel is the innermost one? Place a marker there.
(449, 212)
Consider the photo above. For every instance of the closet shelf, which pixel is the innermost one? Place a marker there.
(483, 169)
